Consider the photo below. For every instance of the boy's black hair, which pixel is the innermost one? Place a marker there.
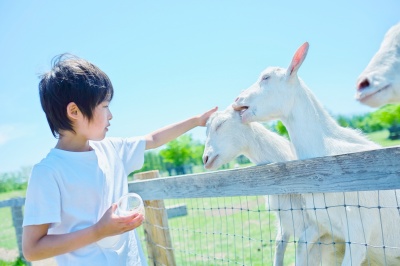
(72, 79)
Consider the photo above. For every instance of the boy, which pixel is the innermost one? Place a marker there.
(71, 195)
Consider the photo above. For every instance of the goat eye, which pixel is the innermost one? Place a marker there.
(265, 77)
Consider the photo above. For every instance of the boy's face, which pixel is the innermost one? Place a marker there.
(97, 128)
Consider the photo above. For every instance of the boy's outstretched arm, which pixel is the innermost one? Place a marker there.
(171, 132)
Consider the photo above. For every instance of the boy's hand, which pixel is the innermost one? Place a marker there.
(204, 117)
(111, 224)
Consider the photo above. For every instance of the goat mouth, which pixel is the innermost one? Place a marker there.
(237, 107)
(209, 165)
(364, 97)
(243, 109)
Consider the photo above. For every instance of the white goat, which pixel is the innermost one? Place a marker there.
(363, 224)
(379, 83)
(227, 138)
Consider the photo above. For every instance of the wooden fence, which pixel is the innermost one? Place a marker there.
(361, 171)
(16, 205)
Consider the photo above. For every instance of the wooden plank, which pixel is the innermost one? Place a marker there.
(176, 211)
(361, 171)
(13, 202)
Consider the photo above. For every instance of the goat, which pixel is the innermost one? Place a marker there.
(355, 217)
(228, 138)
(379, 83)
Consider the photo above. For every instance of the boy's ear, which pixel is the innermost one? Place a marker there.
(72, 111)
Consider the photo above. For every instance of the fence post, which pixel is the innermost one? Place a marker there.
(156, 230)
(17, 217)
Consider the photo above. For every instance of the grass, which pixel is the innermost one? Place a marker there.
(226, 230)
(17, 262)
(12, 194)
(381, 137)
(12, 263)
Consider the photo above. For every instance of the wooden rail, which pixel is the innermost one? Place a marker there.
(361, 171)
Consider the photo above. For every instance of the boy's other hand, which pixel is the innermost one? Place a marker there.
(111, 224)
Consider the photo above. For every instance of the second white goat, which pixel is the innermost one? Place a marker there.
(227, 138)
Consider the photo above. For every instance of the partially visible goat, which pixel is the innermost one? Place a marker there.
(227, 138)
(379, 83)
(356, 217)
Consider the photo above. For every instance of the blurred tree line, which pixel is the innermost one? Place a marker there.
(180, 156)
(387, 117)
(14, 180)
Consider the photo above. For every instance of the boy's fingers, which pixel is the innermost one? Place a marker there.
(213, 110)
(128, 218)
(137, 221)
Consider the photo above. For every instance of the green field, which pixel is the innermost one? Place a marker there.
(226, 230)
(216, 231)
(381, 137)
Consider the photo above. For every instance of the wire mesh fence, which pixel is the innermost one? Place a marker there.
(244, 231)
(224, 231)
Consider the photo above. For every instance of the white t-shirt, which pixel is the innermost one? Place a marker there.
(72, 190)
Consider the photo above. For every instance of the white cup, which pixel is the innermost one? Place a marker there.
(129, 204)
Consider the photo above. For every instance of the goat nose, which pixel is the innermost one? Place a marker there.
(363, 84)
(205, 159)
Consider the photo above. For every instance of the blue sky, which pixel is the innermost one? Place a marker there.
(169, 60)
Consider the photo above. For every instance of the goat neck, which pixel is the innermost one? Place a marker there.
(314, 133)
(264, 145)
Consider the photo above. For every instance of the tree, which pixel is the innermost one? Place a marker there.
(366, 122)
(197, 153)
(389, 117)
(17, 180)
(179, 152)
(152, 161)
(281, 129)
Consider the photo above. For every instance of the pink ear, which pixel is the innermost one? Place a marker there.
(298, 58)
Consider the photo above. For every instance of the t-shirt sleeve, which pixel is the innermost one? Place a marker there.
(131, 151)
(43, 202)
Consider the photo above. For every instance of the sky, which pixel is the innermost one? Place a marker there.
(170, 60)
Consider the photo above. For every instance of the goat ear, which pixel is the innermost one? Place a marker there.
(298, 59)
